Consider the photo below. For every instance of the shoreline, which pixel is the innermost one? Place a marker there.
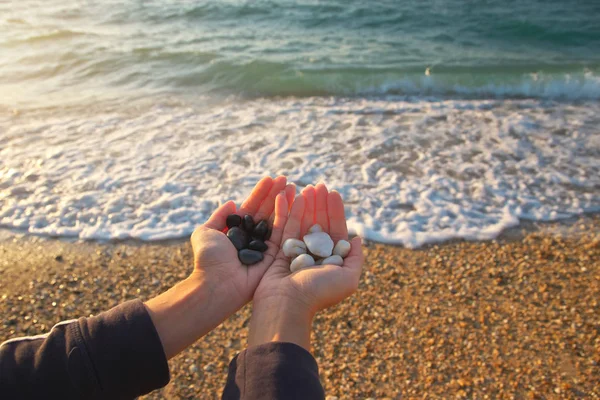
(516, 316)
(518, 232)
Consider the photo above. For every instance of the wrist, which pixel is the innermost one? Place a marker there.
(186, 312)
(280, 320)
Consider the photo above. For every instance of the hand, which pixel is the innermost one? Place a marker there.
(215, 257)
(220, 284)
(285, 302)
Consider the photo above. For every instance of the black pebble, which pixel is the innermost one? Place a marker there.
(258, 245)
(260, 230)
(268, 235)
(248, 223)
(233, 220)
(250, 257)
(238, 237)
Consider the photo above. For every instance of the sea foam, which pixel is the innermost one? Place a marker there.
(411, 171)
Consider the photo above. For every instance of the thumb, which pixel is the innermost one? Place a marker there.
(218, 219)
(356, 258)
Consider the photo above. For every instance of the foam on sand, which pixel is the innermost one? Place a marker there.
(411, 171)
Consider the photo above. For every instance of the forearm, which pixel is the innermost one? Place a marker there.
(280, 320)
(188, 311)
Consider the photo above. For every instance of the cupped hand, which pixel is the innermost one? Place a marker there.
(318, 287)
(216, 259)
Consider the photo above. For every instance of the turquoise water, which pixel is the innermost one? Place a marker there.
(434, 119)
(86, 50)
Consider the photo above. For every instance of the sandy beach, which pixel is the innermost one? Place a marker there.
(514, 318)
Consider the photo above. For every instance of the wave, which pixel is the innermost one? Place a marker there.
(269, 79)
(48, 37)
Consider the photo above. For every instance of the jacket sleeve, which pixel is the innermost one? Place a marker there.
(114, 355)
(273, 371)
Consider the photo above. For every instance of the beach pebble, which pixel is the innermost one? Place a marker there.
(233, 220)
(315, 228)
(258, 245)
(293, 248)
(260, 230)
(248, 223)
(333, 260)
(342, 248)
(238, 237)
(319, 243)
(302, 261)
(250, 257)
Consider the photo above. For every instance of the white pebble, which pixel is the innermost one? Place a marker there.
(319, 243)
(315, 228)
(302, 261)
(293, 248)
(333, 260)
(342, 248)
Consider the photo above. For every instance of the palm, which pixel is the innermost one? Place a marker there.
(217, 251)
(215, 256)
(321, 286)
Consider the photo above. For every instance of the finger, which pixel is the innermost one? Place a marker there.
(281, 217)
(294, 220)
(268, 204)
(337, 217)
(260, 191)
(321, 206)
(218, 218)
(308, 219)
(290, 193)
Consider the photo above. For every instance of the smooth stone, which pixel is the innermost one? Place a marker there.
(260, 230)
(302, 261)
(250, 257)
(293, 248)
(319, 243)
(238, 237)
(342, 248)
(233, 220)
(258, 245)
(248, 224)
(333, 260)
(315, 228)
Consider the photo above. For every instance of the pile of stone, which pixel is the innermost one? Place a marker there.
(316, 248)
(248, 238)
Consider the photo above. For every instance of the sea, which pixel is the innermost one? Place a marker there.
(435, 119)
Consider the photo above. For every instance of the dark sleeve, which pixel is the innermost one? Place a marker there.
(273, 371)
(115, 355)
